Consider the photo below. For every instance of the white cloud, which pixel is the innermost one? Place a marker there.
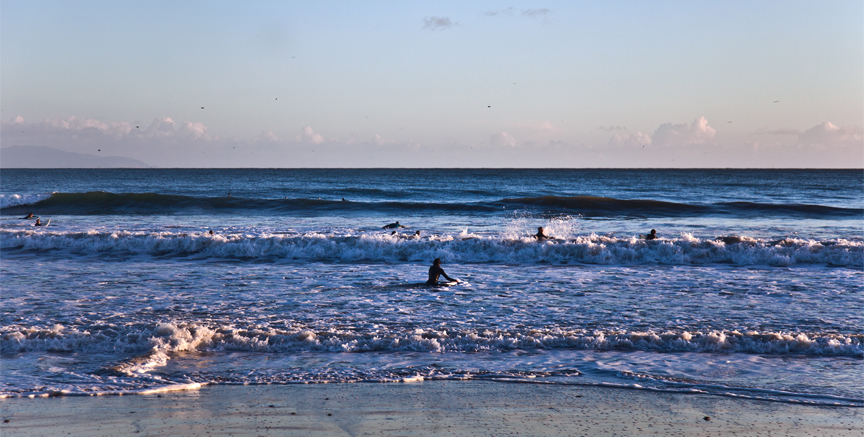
(378, 140)
(267, 136)
(669, 134)
(502, 139)
(634, 139)
(307, 135)
(828, 134)
(437, 23)
(194, 130)
(17, 120)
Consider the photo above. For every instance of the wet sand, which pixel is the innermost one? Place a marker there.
(429, 408)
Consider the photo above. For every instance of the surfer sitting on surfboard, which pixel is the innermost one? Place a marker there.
(435, 271)
(39, 223)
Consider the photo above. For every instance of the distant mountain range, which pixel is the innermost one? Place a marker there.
(46, 157)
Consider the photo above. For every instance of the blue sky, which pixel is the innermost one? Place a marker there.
(438, 84)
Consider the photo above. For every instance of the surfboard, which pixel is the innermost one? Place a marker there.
(447, 284)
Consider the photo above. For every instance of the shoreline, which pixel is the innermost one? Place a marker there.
(420, 408)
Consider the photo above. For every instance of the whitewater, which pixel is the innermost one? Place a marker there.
(151, 279)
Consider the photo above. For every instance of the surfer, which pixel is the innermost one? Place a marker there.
(395, 225)
(652, 235)
(540, 236)
(38, 223)
(436, 271)
(28, 216)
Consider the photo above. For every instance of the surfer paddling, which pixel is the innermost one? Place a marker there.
(395, 225)
(28, 217)
(435, 272)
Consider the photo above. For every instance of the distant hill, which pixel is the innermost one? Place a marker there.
(46, 157)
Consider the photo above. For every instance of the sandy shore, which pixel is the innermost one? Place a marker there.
(433, 408)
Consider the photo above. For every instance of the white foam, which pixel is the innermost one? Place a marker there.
(466, 247)
(196, 338)
(10, 200)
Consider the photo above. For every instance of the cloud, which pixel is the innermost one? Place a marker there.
(378, 140)
(634, 139)
(194, 130)
(307, 135)
(530, 13)
(827, 134)
(502, 139)
(535, 125)
(612, 128)
(437, 23)
(267, 136)
(508, 11)
(535, 12)
(697, 132)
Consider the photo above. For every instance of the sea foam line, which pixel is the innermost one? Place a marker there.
(172, 337)
(382, 247)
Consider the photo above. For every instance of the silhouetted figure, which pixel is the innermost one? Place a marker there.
(39, 223)
(395, 225)
(652, 235)
(436, 271)
(28, 216)
(540, 236)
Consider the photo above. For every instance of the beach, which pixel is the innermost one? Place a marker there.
(428, 408)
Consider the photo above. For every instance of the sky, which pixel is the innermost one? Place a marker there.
(575, 84)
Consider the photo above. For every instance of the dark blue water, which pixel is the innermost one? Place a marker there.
(755, 287)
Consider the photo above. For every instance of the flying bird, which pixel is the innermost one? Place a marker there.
(776, 101)
(202, 107)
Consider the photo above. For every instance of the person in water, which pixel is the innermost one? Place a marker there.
(395, 225)
(38, 223)
(540, 236)
(652, 235)
(436, 271)
(28, 216)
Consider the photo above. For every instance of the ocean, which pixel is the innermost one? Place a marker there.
(754, 288)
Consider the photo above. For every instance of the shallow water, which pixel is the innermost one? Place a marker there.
(126, 292)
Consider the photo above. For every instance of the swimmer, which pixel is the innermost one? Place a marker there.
(540, 236)
(436, 271)
(652, 235)
(395, 225)
(211, 232)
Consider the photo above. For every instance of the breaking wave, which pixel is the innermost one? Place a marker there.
(463, 248)
(180, 337)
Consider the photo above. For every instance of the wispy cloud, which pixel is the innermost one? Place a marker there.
(437, 23)
(827, 133)
(535, 12)
(502, 139)
(530, 13)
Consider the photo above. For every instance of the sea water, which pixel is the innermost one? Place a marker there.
(754, 289)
